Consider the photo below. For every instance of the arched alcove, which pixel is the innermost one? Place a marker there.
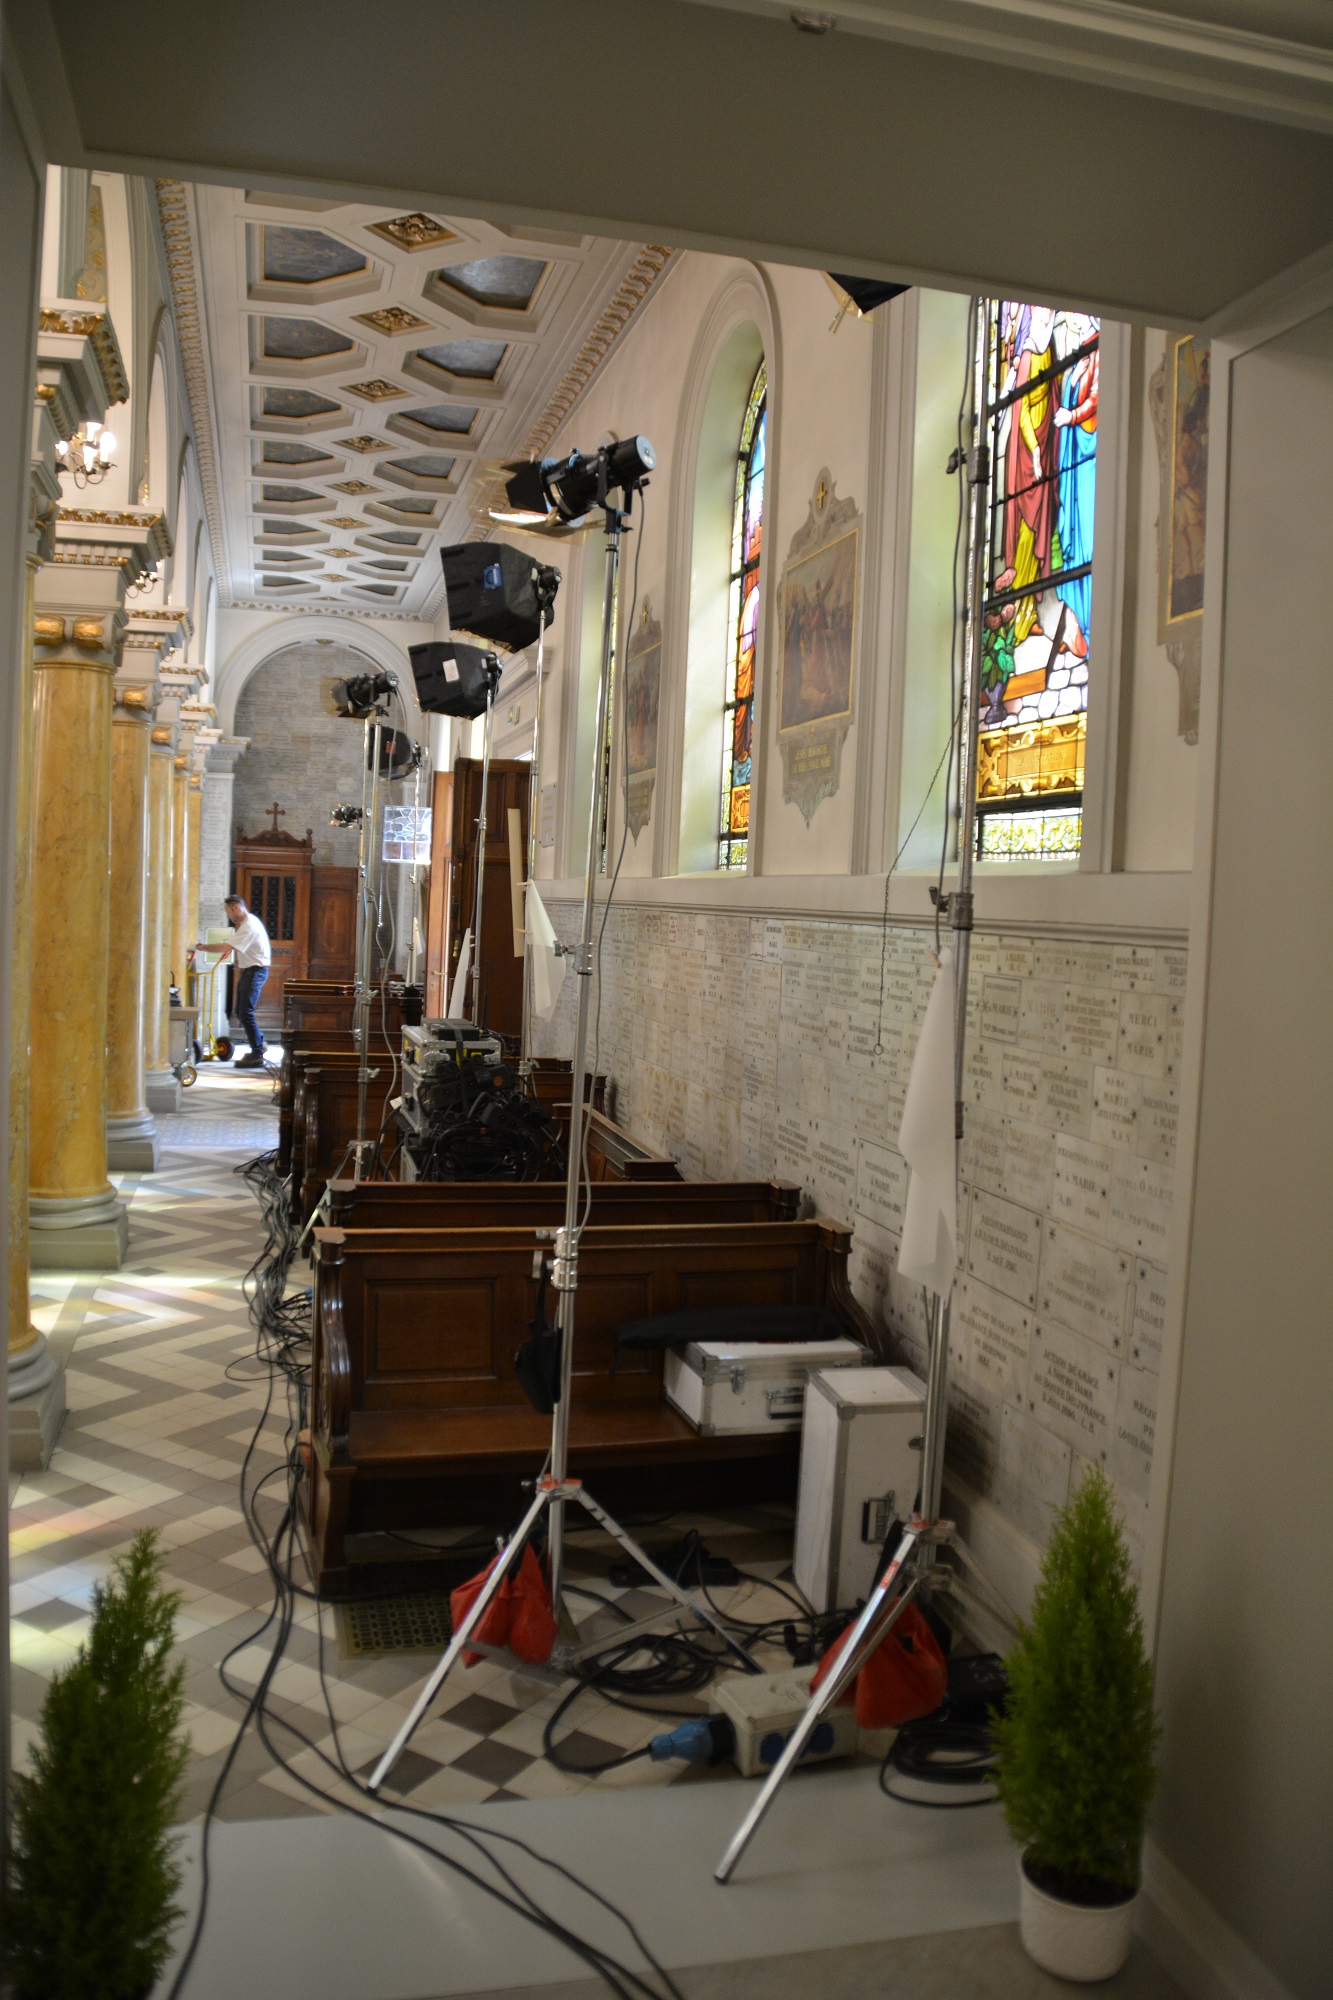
(301, 757)
(354, 636)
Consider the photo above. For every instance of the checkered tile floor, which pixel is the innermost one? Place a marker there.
(154, 1437)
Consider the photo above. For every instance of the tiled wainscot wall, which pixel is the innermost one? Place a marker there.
(751, 1047)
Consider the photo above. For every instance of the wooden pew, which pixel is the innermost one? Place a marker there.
(322, 1003)
(324, 1119)
(305, 1042)
(541, 1204)
(417, 1415)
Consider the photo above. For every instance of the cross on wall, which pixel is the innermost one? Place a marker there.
(278, 813)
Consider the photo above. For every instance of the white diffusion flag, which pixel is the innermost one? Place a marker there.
(548, 965)
(458, 998)
(926, 1141)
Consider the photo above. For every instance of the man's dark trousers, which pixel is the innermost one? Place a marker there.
(249, 986)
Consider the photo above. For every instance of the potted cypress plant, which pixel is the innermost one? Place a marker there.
(1076, 1745)
(89, 1902)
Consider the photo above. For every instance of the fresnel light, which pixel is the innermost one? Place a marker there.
(86, 457)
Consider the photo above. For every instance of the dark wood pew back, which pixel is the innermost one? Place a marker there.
(402, 1205)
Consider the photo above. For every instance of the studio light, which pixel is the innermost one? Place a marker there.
(498, 593)
(453, 679)
(345, 816)
(569, 488)
(398, 754)
(358, 697)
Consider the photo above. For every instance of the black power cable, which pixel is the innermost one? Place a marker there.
(282, 1349)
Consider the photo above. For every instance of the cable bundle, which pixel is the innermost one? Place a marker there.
(282, 1349)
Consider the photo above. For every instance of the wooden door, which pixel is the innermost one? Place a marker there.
(272, 871)
(332, 948)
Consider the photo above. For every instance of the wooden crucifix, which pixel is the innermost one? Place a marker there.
(278, 813)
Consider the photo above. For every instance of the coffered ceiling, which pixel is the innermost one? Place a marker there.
(358, 367)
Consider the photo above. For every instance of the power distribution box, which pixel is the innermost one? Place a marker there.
(860, 1467)
(765, 1708)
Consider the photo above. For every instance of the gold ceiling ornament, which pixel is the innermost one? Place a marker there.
(344, 521)
(362, 443)
(333, 577)
(340, 555)
(377, 390)
(413, 232)
(352, 486)
(611, 322)
(96, 328)
(173, 211)
(392, 319)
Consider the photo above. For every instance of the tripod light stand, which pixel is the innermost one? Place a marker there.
(479, 878)
(912, 1569)
(556, 1489)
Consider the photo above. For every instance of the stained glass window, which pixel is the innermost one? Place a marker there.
(742, 628)
(1032, 724)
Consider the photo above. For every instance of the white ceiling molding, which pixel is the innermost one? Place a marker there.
(173, 210)
(1233, 61)
(364, 370)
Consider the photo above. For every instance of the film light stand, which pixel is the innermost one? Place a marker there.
(479, 875)
(525, 1065)
(556, 1490)
(913, 1569)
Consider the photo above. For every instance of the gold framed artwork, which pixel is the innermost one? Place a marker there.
(818, 658)
(643, 689)
(1178, 396)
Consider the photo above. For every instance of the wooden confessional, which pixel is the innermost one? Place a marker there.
(309, 912)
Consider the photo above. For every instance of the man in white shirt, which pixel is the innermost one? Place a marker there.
(251, 950)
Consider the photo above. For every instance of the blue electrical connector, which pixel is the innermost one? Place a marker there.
(704, 1739)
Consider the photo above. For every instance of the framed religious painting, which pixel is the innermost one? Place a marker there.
(643, 687)
(1179, 395)
(819, 633)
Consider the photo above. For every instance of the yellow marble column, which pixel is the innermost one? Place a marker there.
(194, 812)
(182, 861)
(76, 1220)
(32, 1368)
(132, 1143)
(161, 1087)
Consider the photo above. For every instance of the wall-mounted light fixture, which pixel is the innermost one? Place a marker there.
(86, 457)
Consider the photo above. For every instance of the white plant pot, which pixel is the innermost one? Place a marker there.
(1074, 1940)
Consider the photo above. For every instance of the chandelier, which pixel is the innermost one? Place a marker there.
(86, 457)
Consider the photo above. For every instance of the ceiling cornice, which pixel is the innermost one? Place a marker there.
(173, 211)
(627, 297)
(324, 608)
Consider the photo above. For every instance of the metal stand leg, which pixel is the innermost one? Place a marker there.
(884, 1606)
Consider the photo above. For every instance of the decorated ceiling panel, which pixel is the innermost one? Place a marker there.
(359, 371)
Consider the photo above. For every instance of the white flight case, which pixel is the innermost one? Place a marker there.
(860, 1467)
(722, 1386)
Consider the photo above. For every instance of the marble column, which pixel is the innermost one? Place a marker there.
(161, 1087)
(76, 1220)
(215, 848)
(79, 376)
(132, 1142)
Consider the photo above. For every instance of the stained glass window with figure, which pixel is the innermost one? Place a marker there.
(1032, 722)
(743, 627)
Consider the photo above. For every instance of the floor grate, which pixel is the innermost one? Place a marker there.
(417, 1624)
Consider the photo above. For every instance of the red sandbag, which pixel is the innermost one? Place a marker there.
(905, 1677)
(499, 1615)
(534, 1630)
(519, 1615)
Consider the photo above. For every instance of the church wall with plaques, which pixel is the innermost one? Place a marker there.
(753, 1046)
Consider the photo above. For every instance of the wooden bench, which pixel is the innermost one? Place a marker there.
(325, 1116)
(541, 1204)
(417, 1415)
(321, 1003)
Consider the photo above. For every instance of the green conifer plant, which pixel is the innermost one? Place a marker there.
(90, 1899)
(1077, 1741)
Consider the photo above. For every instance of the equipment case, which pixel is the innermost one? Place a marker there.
(860, 1468)
(721, 1386)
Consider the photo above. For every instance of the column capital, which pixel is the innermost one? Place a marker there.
(127, 541)
(162, 740)
(80, 373)
(223, 756)
(79, 636)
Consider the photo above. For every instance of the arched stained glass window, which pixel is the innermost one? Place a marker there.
(1032, 723)
(742, 628)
